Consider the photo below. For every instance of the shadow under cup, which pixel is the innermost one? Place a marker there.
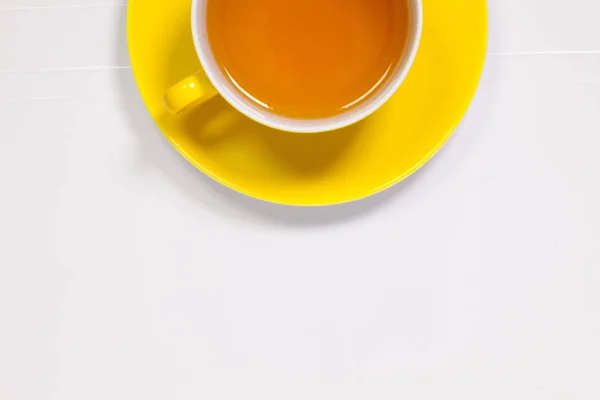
(238, 75)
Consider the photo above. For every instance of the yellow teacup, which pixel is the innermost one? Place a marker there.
(212, 81)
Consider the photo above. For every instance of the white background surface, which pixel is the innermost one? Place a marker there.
(125, 274)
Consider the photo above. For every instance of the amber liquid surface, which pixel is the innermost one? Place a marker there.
(307, 58)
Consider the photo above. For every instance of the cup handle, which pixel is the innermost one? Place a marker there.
(193, 90)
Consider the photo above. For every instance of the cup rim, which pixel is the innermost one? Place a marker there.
(257, 113)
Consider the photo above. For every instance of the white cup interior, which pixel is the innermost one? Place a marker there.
(269, 118)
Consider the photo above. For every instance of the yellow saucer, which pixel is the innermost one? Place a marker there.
(314, 169)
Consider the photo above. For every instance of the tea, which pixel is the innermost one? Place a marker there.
(307, 58)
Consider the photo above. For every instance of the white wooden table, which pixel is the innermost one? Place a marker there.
(125, 274)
